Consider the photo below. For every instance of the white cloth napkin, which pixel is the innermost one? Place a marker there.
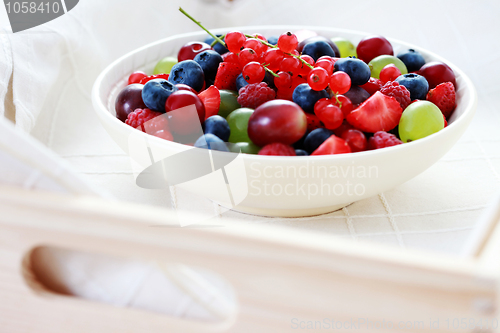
(52, 69)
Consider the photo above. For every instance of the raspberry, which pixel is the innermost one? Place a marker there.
(444, 97)
(255, 94)
(383, 139)
(277, 149)
(140, 116)
(399, 92)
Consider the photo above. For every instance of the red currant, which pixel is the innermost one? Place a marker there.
(318, 79)
(330, 59)
(283, 81)
(247, 55)
(255, 44)
(288, 42)
(328, 113)
(259, 36)
(347, 105)
(389, 73)
(290, 65)
(273, 58)
(355, 139)
(136, 77)
(340, 82)
(234, 41)
(326, 64)
(253, 72)
(342, 128)
(304, 69)
(296, 80)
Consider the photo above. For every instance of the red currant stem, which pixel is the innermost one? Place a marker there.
(215, 41)
(338, 101)
(270, 71)
(262, 41)
(199, 24)
(288, 54)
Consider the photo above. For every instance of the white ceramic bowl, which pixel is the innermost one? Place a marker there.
(287, 186)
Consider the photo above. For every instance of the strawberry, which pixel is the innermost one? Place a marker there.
(277, 149)
(153, 77)
(444, 97)
(313, 122)
(226, 75)
(377, 113)
(211, 100)
(232, 58)
(332, 145)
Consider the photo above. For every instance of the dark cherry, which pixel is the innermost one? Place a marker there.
(129, 99)
(372, 46)
(436, 72)
(184, 122)
(191, 49)
(277, 121)
(182, 86)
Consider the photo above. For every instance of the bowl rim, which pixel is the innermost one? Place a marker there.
(469, 109)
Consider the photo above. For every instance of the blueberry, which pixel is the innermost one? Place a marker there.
(269, 79)
(209, 62)
(211, 141)
(273, 40)
(315, 139)
(300, 152)
(300, 144)
(187, 72)
(305, 97)
(240, 82)
(318, 49)
(334, 47)
(357, 95)
(218, 47)
(358, 71)
(156, 92)
(412, 59)
(217, 126)
(416, 84)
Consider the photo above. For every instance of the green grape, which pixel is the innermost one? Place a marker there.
(419, 120)
(378, 63)
(245, 147)
(238, 123)
(164, 66)
(346, 48)
(228, 102)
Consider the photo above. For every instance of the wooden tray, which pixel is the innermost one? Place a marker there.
(303, 277)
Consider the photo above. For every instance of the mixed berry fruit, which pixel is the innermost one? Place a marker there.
(290, 97)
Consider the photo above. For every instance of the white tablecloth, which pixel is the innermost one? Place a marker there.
(54, 66)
